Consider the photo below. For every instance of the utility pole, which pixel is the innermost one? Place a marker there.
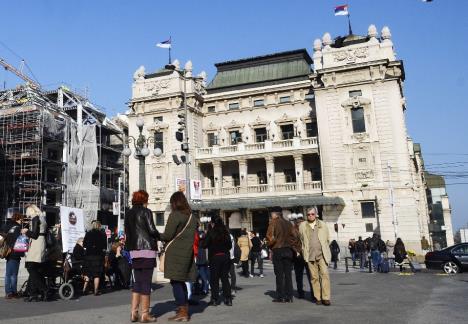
(187, 150)
(392, 200)
(119, 220)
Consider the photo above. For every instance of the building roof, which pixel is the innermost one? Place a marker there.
(434, 180)
(261, 70)
(347, 40)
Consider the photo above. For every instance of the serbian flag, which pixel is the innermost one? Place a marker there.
(165, 44)
(341, 10)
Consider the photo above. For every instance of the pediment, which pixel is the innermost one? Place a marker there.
(355, 102)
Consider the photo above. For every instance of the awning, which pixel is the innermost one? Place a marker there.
(265, 202)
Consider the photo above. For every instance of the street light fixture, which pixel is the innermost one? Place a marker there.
(140, 145)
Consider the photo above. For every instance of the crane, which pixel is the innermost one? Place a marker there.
(19, 74)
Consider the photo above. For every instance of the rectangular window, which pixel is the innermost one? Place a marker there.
(235, 180)
(262, 177)
(159, 140)
(211, 109)
(311, 129)
(369, 227)
(233, 106)
(289, 175)
(259, 103)
(158, 118)
(355, 93)
(315, 174)
(310, 96)
(212, 139)
(368, 209)
(260, 135)
(285, 99)
(359, 123)
(235, 137)
(212, 181)
(287, 131)
(159, 219)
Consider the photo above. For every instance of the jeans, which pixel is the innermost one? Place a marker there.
(362, 259)
(299, 266)
(219, 269)
(179, 289)
(189, 286)
(11, 276)
(256, 256)
(282, 264)
(205, 277)
(376, 259)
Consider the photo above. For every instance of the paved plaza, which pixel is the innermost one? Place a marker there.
(357, 297)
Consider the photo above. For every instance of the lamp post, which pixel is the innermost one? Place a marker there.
(141, 149)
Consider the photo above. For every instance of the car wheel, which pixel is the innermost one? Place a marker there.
(450, 267)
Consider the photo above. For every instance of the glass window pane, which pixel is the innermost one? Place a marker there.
(355, 93)
(258, 102)
(285, 99)
(159, 140)
(357, 116)
(233, 106)
(368, 209)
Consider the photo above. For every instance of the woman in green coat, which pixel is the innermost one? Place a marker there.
(179, 265)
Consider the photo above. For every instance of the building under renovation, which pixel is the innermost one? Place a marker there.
(57, 148)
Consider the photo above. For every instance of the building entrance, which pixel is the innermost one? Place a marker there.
(260, 221)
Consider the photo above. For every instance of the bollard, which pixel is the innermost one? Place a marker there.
(346, 264)
(370, 264)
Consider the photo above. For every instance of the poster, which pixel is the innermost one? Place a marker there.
(180, 185)
(195, 189)
(72, 224)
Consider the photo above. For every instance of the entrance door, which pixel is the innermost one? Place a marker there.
(260, 221)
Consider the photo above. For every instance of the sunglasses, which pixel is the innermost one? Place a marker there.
(311, 214)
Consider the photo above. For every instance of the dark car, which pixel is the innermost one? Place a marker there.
(452, 259)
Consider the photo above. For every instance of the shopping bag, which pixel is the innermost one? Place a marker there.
(21, 244)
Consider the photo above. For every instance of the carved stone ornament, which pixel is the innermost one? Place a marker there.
(259, 122)
(155, 86)
(351, 55)
(355, 102)
(284, 119)
(158, 125)
(234, 124)
(212, 127)
(139, 73)
(364, 175)
(361, 137)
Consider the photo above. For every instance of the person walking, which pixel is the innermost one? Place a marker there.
(256, 255)
(299, 266)
(178, 263)
(36, 255)
(218, 242)
(315, 241)
(335, 251)
(361, 252)
(352, 250)
(374, 251)
(141, 239)
(284, 244)
(202, 263)
(13, 230)
(95, 245)
(245, 245)
(399, 251)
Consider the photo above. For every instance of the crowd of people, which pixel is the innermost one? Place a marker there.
(195, 257)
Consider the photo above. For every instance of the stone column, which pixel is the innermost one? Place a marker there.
(299, 169)
(270, 169)
(218, 176)
(243, 174)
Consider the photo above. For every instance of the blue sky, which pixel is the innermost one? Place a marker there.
(99, 44)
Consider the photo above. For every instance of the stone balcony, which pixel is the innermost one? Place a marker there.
(282, 147)
(313, 187)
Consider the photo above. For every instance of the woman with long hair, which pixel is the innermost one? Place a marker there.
(399, 251)
(13, 230)
(179, 265)
(141, 240)
(218, 242)
(95, 245)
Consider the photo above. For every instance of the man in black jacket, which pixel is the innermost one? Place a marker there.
(256, 254)
(361, 252)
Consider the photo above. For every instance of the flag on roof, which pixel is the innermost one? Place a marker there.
(341, 10)
(165, 44)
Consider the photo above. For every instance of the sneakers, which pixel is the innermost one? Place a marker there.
(262, 276)
(250, 276)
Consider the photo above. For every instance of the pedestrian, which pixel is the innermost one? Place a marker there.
(399, 251)
(202, 263)
(425, 245)
(256, 255)
(36, 255)
(13, 230)
(245, 245)
(361, 251)
(299, 266)
(352, 250)
(235, 259)
(374, 251)
(141, 238)
(335, 251)
(284, 243)
(315, 241)
(218, 242)
(179, 265)
(95, 245)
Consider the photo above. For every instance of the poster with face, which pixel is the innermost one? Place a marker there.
(195, 189)
(72, 225)
(180, 185)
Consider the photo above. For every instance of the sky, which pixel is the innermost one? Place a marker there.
(95, 46)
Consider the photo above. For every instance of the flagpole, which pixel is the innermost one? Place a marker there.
(170, 45)
(349, 24)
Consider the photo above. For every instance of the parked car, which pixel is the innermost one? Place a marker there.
(451, 260)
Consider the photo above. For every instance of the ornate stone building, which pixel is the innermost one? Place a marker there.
(290, 130)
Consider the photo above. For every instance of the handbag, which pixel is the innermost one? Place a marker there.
(5, 250)
(21, 244)
(162, 257)
(264, 254)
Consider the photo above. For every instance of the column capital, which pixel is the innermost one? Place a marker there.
(269, 159)
(298, 157)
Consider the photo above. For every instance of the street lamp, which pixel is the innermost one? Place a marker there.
(140, 145)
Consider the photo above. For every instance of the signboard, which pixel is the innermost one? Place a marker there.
(115, 208)
(180, 185)
(464, 235)
(195, 189)
(72, 225)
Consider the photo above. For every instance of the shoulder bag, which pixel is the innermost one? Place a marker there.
(162, 258)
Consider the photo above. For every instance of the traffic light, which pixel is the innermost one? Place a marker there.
(182, 124)
(179, 136)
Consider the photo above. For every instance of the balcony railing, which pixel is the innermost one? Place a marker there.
(283, 143)
(313, 185)
(205, 150)
(309, 141)
(228, 149)
(286, 187)
(208, 192)
(230, 190)
(255, 147)
(257, 189)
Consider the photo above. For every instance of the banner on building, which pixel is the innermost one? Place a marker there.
(180, 185)
(195, 188)
(72, 225)
(115, 208)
